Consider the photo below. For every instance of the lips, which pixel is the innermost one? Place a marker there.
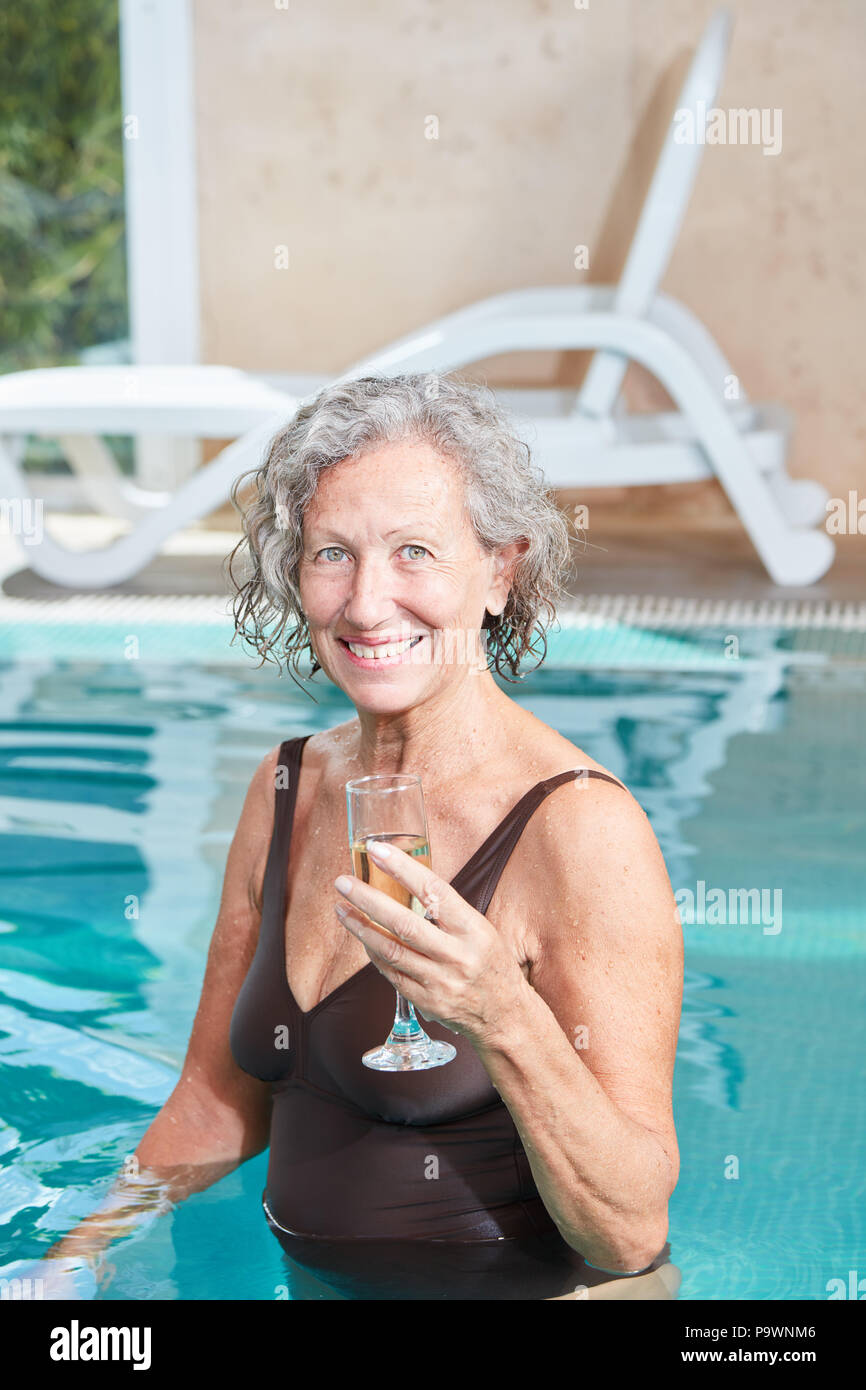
(370, 653)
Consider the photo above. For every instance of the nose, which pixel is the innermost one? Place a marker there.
(369, 602)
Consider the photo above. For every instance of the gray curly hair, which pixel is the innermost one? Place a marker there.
(506, 497)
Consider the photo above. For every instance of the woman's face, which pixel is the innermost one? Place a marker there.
(389, 553)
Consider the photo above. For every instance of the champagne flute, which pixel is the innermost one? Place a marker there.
(391, 808)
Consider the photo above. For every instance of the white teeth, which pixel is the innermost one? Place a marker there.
(374, 653)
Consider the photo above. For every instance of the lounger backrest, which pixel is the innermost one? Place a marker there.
(662, 213)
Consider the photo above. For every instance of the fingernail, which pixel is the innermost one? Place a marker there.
(341, 910)
(378, 849)
(343, 884)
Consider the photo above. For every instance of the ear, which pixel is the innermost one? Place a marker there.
(505, 562)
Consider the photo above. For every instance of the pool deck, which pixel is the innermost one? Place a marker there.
(621, 553)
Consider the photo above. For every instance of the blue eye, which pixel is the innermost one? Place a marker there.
(338, 550)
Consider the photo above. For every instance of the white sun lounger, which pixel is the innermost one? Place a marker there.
(582, 439)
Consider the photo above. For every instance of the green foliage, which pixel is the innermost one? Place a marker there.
(62, 252)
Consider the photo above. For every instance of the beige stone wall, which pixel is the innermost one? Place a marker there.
(311, 135)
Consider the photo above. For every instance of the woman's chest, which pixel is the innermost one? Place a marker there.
(321, 954)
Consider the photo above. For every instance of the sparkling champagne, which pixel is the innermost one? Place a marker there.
(368, 871)
(376, 806)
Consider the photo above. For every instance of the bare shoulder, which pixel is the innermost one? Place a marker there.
(591, 847)
(258, 808)
(554, 753)
(252, 837)
(322, 752)
(249, 851)
(331, 751)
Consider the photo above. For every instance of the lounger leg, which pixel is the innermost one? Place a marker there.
(102, 482)
(802, 501)
(197, 497)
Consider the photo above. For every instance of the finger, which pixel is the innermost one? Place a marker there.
(356, 919)
(408, 926)
(429, 1018)
(397, 962)
(441, 902)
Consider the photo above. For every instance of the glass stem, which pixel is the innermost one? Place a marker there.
(406, 1026)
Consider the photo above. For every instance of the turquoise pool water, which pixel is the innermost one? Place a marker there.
(121, 783)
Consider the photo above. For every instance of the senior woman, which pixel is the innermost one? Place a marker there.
(400, 531)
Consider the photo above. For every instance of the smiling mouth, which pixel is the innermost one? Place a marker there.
(382, 652)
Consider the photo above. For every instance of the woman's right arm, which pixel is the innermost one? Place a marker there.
(217, 1116)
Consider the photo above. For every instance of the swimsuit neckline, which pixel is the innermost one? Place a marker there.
(308, 1013)
(467, 868)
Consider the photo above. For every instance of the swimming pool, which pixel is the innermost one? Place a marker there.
(121, 782)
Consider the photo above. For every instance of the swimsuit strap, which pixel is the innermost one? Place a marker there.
(285, 795)
(477, 881)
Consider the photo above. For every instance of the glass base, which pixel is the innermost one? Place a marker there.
(409, 1056)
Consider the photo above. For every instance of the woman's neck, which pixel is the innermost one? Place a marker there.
(472, 725)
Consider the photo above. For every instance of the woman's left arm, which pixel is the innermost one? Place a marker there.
(584, 1058)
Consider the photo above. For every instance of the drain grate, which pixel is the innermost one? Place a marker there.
(612, 631)
(651, 611)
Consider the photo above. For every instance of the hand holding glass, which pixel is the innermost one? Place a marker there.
(392, 808)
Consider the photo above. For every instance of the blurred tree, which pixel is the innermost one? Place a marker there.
(62, 249)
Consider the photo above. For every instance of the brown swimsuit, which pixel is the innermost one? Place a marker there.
(392, 1185)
